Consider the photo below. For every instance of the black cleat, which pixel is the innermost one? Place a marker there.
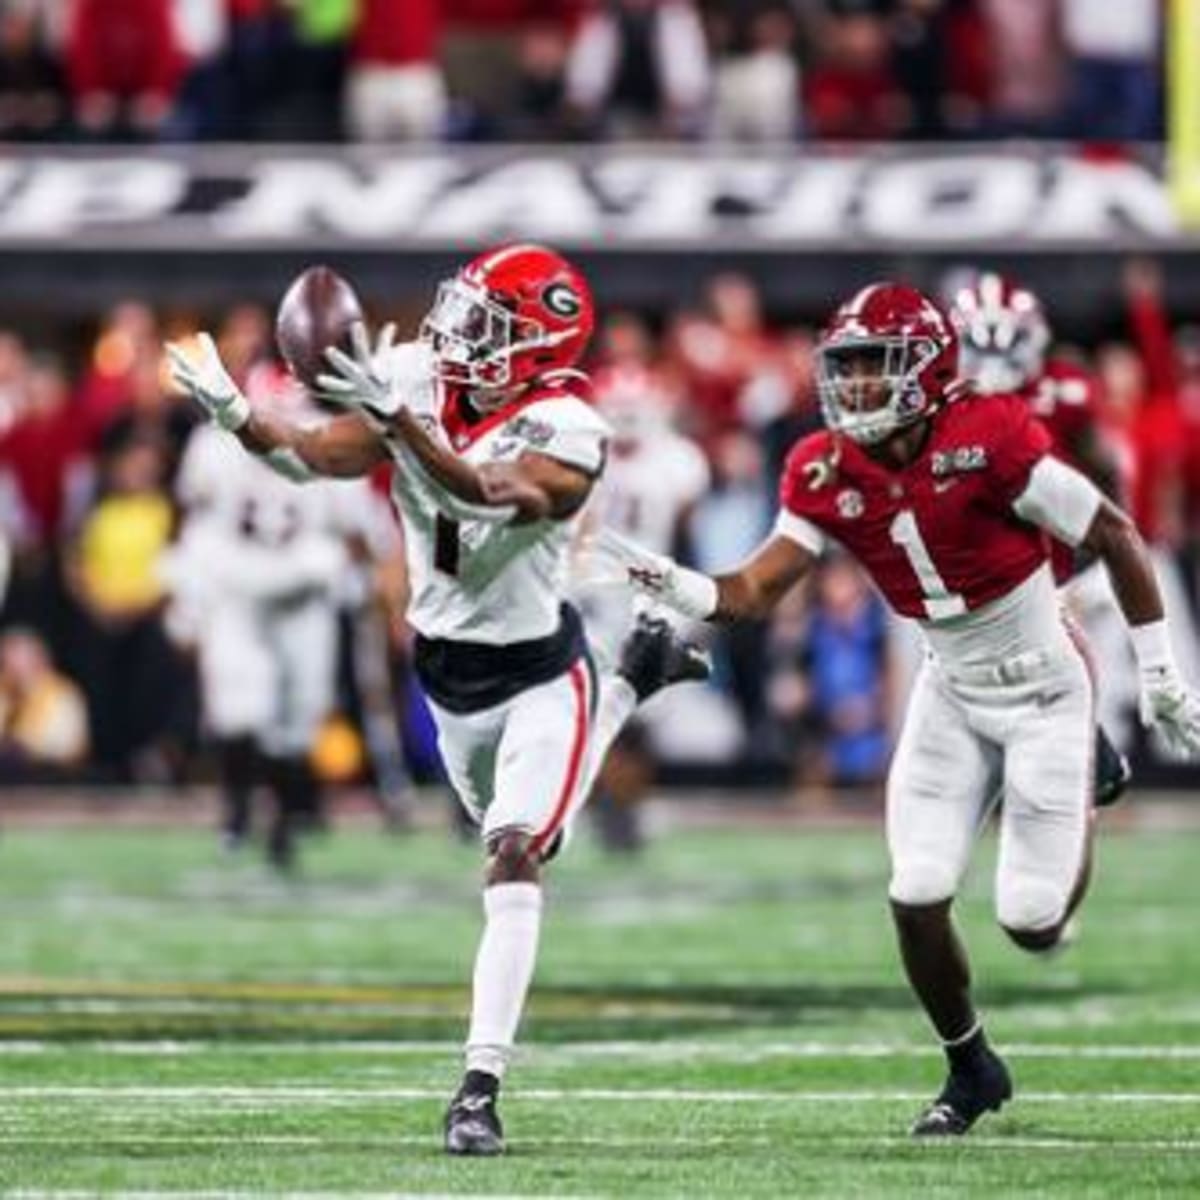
(966, 1096)
(472, 1123)
(654, 657)
(1113, 771)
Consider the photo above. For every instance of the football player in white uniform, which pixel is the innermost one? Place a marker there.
(256, 577)
(655, 476)
(495, 452)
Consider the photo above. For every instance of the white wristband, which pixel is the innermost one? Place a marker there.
(283, 460)
(234, 413)
(691, 593)
(1152, 646)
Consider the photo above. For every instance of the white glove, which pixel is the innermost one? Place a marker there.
(363, 381)
(203, 376)
(1167, 704)
(607, 557)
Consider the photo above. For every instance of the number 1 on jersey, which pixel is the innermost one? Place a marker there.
(445, 545)
(940, 601)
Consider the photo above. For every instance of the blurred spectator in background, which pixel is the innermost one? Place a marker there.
(205, 108)
(1025, 62)
(851, 91)
(137, 693)
(941, 59)
(32, 93)
(43, 718)
(639, 68)
(844, 659)
(128, 335)
(1116, 87)
(14, 370)
(487, 62)
(124, 65)
(395, 90)
(152, 413)
(756, 84)
(720, 353)
(726, 524)
(47, 473)
(316, 68)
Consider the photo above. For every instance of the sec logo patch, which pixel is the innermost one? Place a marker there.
(850, 503)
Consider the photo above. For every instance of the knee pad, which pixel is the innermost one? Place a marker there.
(1030, 905)
(922, 881)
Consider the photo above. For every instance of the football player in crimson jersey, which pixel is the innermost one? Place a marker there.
(1004, 337)
(494, 451)
(947, 499)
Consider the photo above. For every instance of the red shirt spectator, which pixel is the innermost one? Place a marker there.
(125, 48)
(852, 93)
(40, 450)
(412, 37)
(500, 15)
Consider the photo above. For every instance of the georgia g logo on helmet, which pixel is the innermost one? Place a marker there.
(562, 300)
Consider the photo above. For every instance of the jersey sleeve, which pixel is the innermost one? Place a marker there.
(567, 430)
(797, 499)
(1022, 443)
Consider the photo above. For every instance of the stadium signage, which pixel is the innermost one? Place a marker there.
(608, 201)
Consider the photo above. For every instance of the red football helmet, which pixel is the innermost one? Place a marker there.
(1004, 333)
(510, 315)
(891, 339)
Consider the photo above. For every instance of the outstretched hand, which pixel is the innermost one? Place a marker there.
(361, 380)
(202, 375)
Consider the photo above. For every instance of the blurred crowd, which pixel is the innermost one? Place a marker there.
(91, 437)
(529, 70)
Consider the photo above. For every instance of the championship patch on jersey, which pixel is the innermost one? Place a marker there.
(959, 461)
(530, 430)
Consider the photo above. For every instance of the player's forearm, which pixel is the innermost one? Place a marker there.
(1114, 539)
(740, 598)
(494, 487)
(446, 469)
(341, 448)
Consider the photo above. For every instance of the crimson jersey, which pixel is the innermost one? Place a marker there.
(939, 536)
(1064, 399)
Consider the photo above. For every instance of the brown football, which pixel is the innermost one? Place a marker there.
(316, 312)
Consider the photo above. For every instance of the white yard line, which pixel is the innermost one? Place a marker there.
(368, 1095)
(708, 1050)
(1188, 1145)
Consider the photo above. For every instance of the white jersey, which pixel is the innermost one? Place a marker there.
(250, 532)
(647, 488)
(474, 577)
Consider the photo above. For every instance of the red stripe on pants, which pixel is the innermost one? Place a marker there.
(574, 763)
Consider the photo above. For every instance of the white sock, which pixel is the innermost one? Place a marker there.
(615, 706)
(503, 968)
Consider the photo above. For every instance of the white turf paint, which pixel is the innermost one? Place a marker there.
(358, 1096)
(570, 1051)
(1138, 1145)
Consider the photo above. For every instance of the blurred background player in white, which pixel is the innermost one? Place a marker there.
(495, 450)
(945, 497)
(258, 575)
(1005, 340)
(653, 479)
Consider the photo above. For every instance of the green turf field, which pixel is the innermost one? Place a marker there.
(723, 1017)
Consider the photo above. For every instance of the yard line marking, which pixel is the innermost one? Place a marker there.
(1188, 1145)
(721, 1051)
(301, 1093)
